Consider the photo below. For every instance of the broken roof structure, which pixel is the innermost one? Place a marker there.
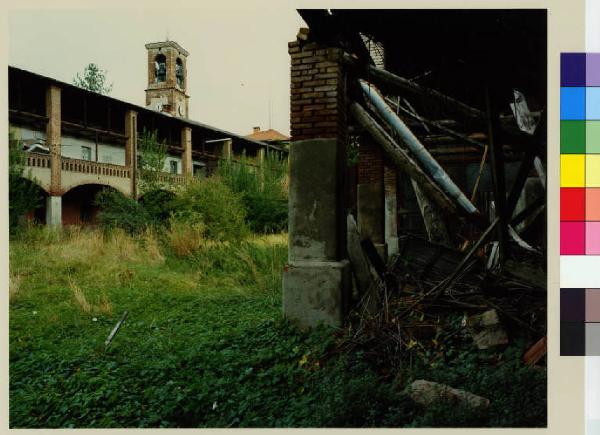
(441, 114)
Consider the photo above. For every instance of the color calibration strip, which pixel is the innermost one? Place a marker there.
(580, 154)
(580, 197)
(580, 321)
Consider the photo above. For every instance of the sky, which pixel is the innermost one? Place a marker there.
(238, 63)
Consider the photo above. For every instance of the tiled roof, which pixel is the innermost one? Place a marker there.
(268, 135)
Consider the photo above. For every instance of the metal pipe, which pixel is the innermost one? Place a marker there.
(429, 163)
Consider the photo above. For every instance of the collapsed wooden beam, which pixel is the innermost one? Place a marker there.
(381, 76)
(437, 231)
(435, 124)
(401, 159)
(431, 166)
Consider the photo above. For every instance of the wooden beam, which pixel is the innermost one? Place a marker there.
(435, 124)
(497, 165)
(437, 230)
(381, 76)
(402, 160)
(79, 127)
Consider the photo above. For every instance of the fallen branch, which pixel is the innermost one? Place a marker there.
(115, 330)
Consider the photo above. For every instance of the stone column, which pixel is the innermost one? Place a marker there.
(186, 157)
(131, 148)
(261, 157)
(54, 211)
(227, 150)
(316, 280)
(391, 210)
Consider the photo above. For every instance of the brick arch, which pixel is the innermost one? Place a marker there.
(39, 183)
(78, 203)
(118, 188)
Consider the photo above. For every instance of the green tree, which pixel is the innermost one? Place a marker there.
(93, 79)
(152, 155)
(23, 195)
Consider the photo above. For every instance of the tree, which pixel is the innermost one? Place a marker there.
(93, 79)
(152, 155)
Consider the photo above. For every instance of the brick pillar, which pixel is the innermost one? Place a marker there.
(131, 148)
(186, 157)
(53, 137)
(318, 109)
(317, 278)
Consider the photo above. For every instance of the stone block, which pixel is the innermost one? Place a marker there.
(316, 292)
(487, 330)
(313, 203)
(427, 393)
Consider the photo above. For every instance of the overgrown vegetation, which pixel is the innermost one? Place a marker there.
(205, 345)
(152, 155)
(263, 190)
(24, 195)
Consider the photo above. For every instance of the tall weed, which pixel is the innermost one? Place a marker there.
(263, 189)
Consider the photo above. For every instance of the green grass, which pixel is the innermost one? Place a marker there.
(205, 345)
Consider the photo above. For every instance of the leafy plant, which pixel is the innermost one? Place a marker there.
(24, 195)
(152, 155)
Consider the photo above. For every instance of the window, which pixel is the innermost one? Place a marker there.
(198, 170)
(86, 153)
(174, 166)
(160, 68)
(179, 72)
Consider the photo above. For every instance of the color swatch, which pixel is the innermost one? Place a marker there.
(580, 321)
(580, 154)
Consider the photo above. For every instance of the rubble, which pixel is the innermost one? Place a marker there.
(427, 393)
(486, 330)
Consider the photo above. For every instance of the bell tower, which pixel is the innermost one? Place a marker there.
(167, 78)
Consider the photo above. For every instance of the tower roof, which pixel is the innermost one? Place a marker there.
(172, 44)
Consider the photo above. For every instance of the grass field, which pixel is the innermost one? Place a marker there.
(204, 345)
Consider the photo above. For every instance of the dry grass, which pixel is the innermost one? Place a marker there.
(80, 298)
(104, 306)
(91, 246)
(184, 238)
(14, 287)
(151, 243)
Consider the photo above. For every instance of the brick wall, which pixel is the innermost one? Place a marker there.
(370, 162)
(317, 90)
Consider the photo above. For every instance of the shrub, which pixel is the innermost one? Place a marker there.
(158, 204)
(211, 202)
(24, 195)
(263, 190)
(120, 211)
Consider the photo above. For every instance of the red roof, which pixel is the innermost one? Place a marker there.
(267, 135)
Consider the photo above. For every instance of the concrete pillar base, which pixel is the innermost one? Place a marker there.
(314, 292)
(54, 211)
(391, 226)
